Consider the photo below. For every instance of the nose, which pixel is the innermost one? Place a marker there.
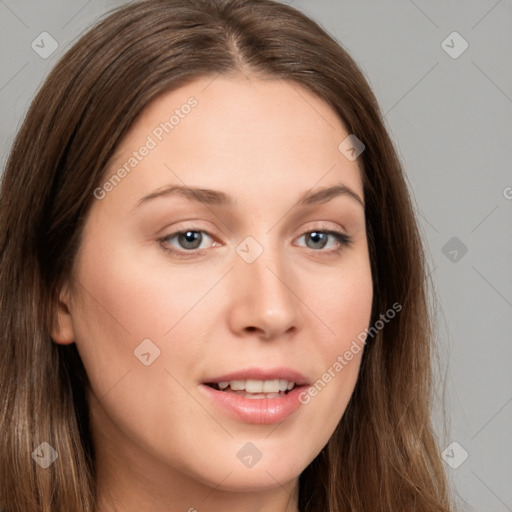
(263, 297)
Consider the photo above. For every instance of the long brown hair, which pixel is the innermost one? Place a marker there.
(383, 455)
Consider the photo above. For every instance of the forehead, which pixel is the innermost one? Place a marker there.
(244, 136)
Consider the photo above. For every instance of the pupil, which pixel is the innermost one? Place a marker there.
(316, 235)
(190, 237)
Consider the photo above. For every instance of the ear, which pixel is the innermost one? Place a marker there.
(62, 331)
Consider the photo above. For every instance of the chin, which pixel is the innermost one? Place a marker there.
(234, 476)
(258, 480)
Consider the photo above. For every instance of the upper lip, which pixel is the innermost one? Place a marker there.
(261, 374)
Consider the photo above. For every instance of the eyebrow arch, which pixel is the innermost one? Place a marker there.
(218, 198)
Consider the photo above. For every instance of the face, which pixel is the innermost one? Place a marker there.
(195, 312)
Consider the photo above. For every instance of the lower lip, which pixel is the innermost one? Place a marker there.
(263, 411)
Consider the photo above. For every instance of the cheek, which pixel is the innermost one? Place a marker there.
(114, 310)
(125, 309)
(130, 298)
(345, 308)
(125, 297)
(345, 305)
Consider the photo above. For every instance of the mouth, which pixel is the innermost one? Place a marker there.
(254, 389)
(256, 396)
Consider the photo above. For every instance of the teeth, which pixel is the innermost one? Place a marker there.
(237, 385)
(258, 386)
(253, 386)
(270, 386)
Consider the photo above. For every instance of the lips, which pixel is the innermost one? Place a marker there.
(256, 395)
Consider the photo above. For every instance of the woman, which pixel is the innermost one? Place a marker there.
(283, 363)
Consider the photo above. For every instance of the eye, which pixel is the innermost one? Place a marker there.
(318, 239)
(190, 240)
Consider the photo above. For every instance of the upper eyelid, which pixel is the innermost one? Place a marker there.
(213, 234)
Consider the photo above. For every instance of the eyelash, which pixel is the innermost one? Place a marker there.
(343, 239)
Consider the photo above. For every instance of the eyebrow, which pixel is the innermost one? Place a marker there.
(218, 198)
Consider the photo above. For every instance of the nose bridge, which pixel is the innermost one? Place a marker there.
(262, 288)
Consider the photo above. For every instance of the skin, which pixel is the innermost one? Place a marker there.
(161, 444)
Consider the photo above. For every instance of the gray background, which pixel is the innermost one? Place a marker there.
(451, 121)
